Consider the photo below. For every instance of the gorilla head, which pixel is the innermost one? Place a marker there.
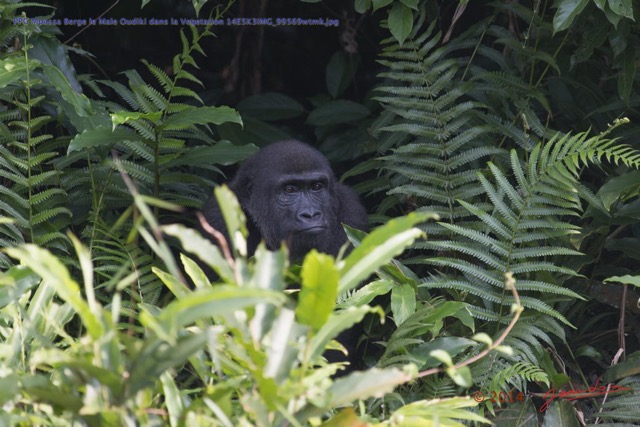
(290, 194)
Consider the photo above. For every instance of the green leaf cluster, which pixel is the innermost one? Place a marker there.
(461, 134)
(248, 352)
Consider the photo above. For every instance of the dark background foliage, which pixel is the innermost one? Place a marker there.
(286, 59)
(517, 122)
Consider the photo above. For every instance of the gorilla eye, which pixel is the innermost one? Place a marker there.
(289, 189)
(317, 186)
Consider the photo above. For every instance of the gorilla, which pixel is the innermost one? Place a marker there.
(289, 194)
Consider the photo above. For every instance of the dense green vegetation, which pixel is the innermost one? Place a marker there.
(497, 153)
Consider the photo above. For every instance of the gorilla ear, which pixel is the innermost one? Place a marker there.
(242, 184)
(242, 188)
(352, 212)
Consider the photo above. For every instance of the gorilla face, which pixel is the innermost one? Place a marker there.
(290, 194)
(300, 200)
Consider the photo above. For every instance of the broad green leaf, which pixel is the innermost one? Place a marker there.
(622, 8)
(363, 385)
(156, 356)
(436, 316)
(378, 4)
(282, 352)
(122, 117)
(40, 389)
(403, 302)
(101, 136)
(56, 275)
(269, 269)
(588, 351)
(13, 68)
(621, 187)
(627, 279)
(379, 247)
(521, 414)
(460, 376)
(234, 218)
(86, 267)
(366, 294)
(624, 369)
(484, 338)
(197, 5)
(566, 13)
(202, 116)
(319, 290)
(79, 101)
(613, 19)
(442, 356)
(65, 359)
(222, 153)
(337, 323)
(630, 246)
(340, 71)
(8, 387)
(15, 282)
(424, 412)
(205, 303)
(52, 53)
(560, 414)
(346, 417)
(337, 112)
(194, 272)
(452, 345)
(176, 287)
(413, 4)
(268, 273)
(361, 6)
(627, 73)
(194, 243)
(172, 398)
(400, 22)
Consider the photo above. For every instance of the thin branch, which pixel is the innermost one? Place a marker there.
(222, 241)
(517, 307)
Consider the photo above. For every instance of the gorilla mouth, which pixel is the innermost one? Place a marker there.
(313, 230)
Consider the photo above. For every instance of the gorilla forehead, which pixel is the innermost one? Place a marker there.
(290, 157)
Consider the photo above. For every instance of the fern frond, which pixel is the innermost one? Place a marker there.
(621, 410)
(159, 101)
(123, 92)
(433, 125)
(184, 74)
(162, 77)
(519, 370)
(514, 235)
(137, 171)
(187, 93)
(49, 214)
(141, 150)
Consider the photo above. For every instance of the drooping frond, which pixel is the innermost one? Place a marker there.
(34, 205)
(431, 127)
(522, 230)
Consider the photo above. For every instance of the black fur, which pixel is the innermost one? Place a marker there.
(289, 194)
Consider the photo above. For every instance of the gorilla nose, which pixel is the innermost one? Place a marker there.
(311, 221)
(310, 217)
(307, 215)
